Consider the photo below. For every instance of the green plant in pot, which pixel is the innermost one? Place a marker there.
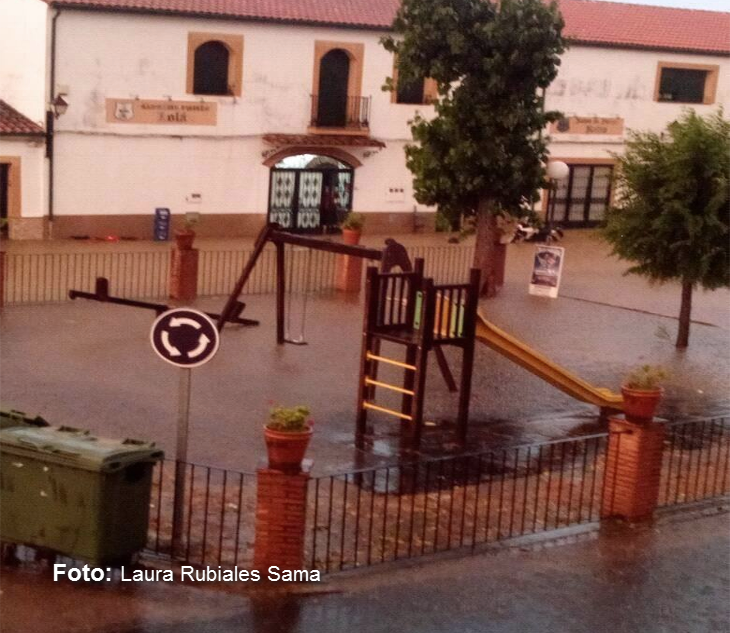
(352, 228)
(287, 435)
(185, 236)
(642, 390)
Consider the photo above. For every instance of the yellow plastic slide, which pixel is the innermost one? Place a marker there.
(544, 368)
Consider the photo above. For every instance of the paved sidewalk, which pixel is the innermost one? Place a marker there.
(670, 578)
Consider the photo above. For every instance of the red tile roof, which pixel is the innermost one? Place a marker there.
(587, 21)
(362, 13)
(619, 24)
(12, 122)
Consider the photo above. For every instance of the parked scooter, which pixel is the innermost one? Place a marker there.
(530, 230)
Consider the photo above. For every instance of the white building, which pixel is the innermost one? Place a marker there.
(243, 110)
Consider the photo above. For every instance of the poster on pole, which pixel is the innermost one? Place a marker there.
(547, 268)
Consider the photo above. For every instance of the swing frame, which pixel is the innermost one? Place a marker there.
(389, 256)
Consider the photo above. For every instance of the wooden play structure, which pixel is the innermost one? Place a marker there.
(410, 310)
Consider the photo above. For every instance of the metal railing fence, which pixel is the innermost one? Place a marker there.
(696, 461)
(47, 277)
(144, 274)
(217, 523)
(377, 515)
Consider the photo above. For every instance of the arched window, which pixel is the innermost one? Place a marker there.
(334, 76)
(211, 69)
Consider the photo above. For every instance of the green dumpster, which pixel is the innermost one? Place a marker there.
(78, 495)
(11, 417)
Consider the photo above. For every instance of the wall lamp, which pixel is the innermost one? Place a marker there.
(59, 105)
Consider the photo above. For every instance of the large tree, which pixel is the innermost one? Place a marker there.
(672, 217)
(483, 153)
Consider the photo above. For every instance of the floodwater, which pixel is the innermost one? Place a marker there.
(668, 578)
(90, 365)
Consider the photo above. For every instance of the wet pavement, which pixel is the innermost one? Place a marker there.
(672, 577)
(90, 365)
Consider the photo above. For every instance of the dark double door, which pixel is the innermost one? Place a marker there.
(309, 200)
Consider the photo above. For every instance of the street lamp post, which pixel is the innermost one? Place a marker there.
(557, 170)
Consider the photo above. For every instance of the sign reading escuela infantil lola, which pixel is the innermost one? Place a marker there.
(160, 112)
(588, 125)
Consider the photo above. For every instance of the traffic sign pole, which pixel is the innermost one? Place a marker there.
(181, 456)
(185, 338)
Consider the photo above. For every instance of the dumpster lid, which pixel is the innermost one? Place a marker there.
(78, 448)
(11, 417)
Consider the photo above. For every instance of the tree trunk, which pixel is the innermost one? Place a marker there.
(489, 255)
(685, 312)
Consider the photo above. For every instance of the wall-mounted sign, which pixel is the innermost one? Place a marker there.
(588, 125)
(161, 112)
(546, 271)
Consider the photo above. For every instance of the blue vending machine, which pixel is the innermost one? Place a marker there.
(162, 224)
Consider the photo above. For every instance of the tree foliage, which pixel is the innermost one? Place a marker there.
(672, 217)
(673, 213)
(490, 61)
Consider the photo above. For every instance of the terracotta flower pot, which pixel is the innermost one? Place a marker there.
(286, 450)
(184, 239)
(640, 404)
(351, 236)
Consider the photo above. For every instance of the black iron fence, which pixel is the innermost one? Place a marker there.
(144, 274)
(397, 512)
(217, 527)
(696, 461)
(370, 516)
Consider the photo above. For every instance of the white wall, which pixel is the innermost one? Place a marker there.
(607, 82)
(104, 55)
(22, 56)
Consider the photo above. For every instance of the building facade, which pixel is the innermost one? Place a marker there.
(245, 112)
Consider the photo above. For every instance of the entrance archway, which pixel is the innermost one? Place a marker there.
(334, 77)
(310, 193)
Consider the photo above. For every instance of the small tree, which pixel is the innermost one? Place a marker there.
(673, 213)
(483, 154)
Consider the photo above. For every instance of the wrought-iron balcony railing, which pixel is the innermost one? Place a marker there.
(352, 112)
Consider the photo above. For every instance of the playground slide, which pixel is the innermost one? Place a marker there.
(544, 368)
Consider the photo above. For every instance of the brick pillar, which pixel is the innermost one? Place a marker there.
(348, 273)
(633, 469)
(184, 274)
(281, 514)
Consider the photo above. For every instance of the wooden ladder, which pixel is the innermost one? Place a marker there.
(414, 365)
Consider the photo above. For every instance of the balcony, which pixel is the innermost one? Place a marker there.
(342, 113)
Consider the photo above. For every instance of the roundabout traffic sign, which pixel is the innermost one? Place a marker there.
(184, 337)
